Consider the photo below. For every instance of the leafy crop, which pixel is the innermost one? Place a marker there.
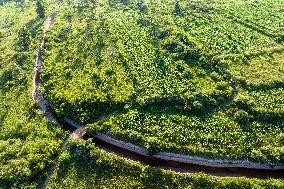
(197, 77)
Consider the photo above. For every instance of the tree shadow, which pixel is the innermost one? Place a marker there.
(274, 119)
(34, 26)
(90, 111)
(206, 10)
(261, 87)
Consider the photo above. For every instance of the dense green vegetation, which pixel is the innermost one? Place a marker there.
(196, 77)
(28, 143)
(84, 165)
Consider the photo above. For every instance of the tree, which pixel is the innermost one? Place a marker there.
(141, 6)
(23, 39)
(40, 9)
(178, 9)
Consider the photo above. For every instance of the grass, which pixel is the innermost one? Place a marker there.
(28, 143)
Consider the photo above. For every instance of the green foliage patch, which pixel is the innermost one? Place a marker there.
(28, 143)
(198, 77)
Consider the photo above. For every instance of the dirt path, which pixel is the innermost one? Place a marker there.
(78, 133)
(44, 106)
(36, 94)
(183, 163)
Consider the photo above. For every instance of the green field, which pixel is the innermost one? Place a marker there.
(194, 77)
